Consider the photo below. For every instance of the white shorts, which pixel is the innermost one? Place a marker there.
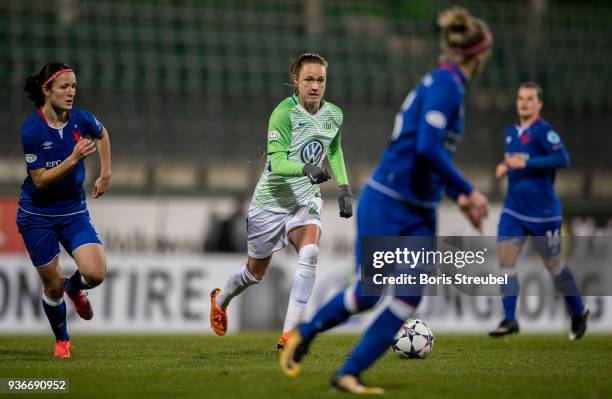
(267, 232)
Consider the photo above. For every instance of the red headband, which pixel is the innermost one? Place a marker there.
(55, 75)
(475, 49)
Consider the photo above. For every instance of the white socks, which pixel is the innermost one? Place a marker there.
(52, 302)
(239, 281)
(302, 285)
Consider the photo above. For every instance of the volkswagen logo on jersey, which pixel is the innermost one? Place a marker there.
(312, 151)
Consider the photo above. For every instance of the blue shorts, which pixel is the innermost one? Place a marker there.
(381, 215)
(43, 234)
(547, 235)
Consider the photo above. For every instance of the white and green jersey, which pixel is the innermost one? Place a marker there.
(306, 138)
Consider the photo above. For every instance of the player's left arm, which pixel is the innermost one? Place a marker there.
(336, 162)
(98, 132)
(556, 154)
(103, 182)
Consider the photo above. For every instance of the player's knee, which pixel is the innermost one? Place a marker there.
(350, 300)
(508, 252)
(255, 275)
(309, 255)
(54, 291)
(93, 279)
(258, 276)
(507, 263)
(255, 269)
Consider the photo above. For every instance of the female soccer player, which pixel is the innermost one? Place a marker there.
(402, 196)
(533, 152)
(286, 205)
(56, 139)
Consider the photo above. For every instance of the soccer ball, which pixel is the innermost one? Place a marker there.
(414, 340)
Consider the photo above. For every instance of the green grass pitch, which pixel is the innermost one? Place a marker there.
(245, 366)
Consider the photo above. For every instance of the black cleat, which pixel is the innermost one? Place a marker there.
(579, 325)
(506, 327)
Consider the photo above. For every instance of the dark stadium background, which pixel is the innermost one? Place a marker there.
(188, 86)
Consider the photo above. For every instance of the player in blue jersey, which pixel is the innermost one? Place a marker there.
(56, 139)
(403, 194)
(533, 152)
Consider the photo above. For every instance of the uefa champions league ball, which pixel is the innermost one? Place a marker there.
(414, 340)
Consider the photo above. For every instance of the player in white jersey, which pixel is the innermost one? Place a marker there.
(286, 205)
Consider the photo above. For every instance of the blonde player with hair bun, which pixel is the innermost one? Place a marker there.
(402, 196)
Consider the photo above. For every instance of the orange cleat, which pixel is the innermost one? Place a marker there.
(81, 304)
(218, 316)
(352, 384)
(290, 358)
(282, 341)
(62, 349)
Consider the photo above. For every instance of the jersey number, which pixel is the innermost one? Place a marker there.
(553, 237)
(399, 118)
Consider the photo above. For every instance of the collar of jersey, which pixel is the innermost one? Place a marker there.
(304, 110)
(42, 116)
(455, 70)
(521, 130)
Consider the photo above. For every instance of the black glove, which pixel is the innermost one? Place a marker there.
(345, 201)
(315, 174)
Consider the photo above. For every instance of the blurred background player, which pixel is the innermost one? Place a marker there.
(286, 205)
(228, 234)
(402, 196)
(533, 151)
(52, 207)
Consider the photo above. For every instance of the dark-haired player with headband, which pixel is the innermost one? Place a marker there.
(286, 205)
(402, 196)
(533, 152)
(56, 139)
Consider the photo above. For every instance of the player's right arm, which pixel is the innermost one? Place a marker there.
(279, 146)
(42, 177)
(439, 106)
(501, 169)
(556, 154)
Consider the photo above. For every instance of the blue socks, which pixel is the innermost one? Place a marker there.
(566, 286)
(564, 283)
(56, 313)
(74, 284)
(378, 338)
(510, 294)
(329, 316)
(337, 310)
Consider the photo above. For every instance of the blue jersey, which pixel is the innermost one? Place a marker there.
(46, 147)
(417, 165)
(531, 194)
